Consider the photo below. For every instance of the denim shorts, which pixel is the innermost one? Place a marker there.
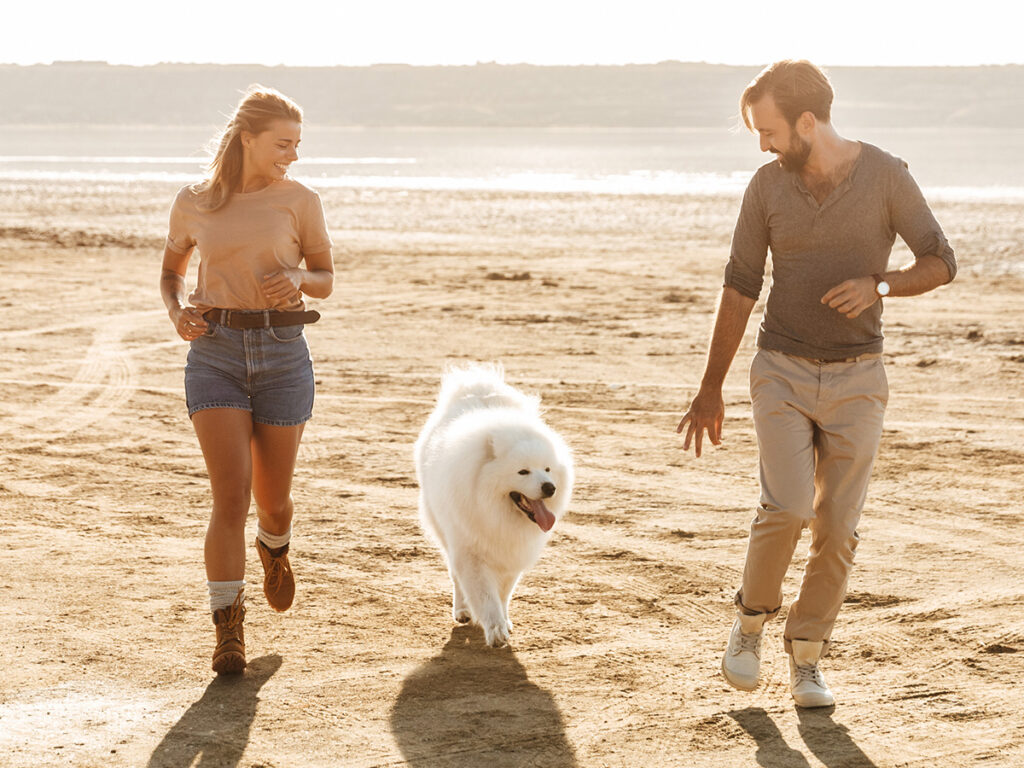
(267, 371)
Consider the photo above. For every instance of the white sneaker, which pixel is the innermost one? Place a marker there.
(805, 679)
(741, 664)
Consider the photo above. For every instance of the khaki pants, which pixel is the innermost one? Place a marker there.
(818, 426)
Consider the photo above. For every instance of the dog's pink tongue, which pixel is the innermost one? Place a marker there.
(542, 515)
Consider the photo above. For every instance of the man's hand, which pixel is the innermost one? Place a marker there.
(707, 412)
(852, 297)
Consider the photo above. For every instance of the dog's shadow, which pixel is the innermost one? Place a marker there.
(474, 706)
(216, 728)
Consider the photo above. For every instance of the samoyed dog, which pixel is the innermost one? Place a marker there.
(494, 479)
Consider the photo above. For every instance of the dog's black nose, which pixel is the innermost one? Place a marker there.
(548, 489)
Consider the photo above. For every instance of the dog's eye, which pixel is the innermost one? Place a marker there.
(547, 469)
(524, 471)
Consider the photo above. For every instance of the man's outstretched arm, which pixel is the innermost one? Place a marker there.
(707, 411)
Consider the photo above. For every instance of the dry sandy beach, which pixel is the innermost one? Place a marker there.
(602, 305)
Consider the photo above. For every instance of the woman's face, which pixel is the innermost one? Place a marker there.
(268, 154)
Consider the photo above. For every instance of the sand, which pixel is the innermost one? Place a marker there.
(601, 305)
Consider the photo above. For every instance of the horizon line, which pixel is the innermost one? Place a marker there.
(481, 64)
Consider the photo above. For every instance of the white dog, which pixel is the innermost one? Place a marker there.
(494, 479)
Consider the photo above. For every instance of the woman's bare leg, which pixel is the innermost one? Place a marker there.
(224, 436)
(274, 450)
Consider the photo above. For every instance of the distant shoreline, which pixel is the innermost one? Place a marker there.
(664, 95)
(977, 162)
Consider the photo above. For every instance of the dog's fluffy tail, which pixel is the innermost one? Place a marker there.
(480, 385)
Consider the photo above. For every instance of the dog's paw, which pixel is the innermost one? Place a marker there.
(497, 634)
(460, 609)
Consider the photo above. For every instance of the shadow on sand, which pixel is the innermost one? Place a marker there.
(475, 707)
(217, 726)
(829, 741)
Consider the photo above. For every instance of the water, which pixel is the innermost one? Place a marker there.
(959, 163)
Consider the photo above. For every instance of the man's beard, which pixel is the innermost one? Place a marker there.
(796, 156)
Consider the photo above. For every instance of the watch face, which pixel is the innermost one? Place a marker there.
(882, 288)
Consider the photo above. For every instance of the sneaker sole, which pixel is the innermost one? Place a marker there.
(820, 705)
(734, 684)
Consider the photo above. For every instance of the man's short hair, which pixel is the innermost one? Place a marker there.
(795, 87)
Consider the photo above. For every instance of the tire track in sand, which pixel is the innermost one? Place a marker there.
(103, 383)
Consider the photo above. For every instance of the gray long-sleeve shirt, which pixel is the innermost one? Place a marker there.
(816, 247)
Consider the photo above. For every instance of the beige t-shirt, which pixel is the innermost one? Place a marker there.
(253, 235)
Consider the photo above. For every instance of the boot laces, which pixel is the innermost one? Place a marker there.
(809, 674)
(235, 613)
(277, 570)
(749, 643)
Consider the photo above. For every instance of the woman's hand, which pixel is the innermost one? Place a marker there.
(281, 286)
(188, 322)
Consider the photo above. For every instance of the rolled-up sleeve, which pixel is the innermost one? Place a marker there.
(915, 223)
(745, 270)
(314, 236)
(179, 236)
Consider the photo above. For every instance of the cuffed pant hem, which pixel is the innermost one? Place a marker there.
(738, 601)
(788, 642)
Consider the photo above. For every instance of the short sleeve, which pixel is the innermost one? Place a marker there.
(914, 221)
(749, 252)
(180, 237)
(313, 234)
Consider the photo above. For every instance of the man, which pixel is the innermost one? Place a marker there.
(829, 210)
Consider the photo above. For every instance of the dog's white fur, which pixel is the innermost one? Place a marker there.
(470, 456)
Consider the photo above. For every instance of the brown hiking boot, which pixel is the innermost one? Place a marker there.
(278, 581)
(229, 655)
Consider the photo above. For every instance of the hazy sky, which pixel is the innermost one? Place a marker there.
(360, 32)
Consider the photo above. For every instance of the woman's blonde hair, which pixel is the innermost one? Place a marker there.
(259, 107)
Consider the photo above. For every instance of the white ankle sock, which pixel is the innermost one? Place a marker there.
(224, 593)
(273, 540)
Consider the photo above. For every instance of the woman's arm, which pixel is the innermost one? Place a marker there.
(187, 321)
(316, 281)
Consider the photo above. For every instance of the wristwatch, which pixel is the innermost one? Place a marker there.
(881, 287)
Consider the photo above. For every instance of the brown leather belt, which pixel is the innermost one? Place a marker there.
(857, 359)
(241, 318)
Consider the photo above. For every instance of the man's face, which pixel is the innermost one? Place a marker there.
(778, 136)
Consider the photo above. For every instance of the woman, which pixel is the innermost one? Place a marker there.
(249, 377)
